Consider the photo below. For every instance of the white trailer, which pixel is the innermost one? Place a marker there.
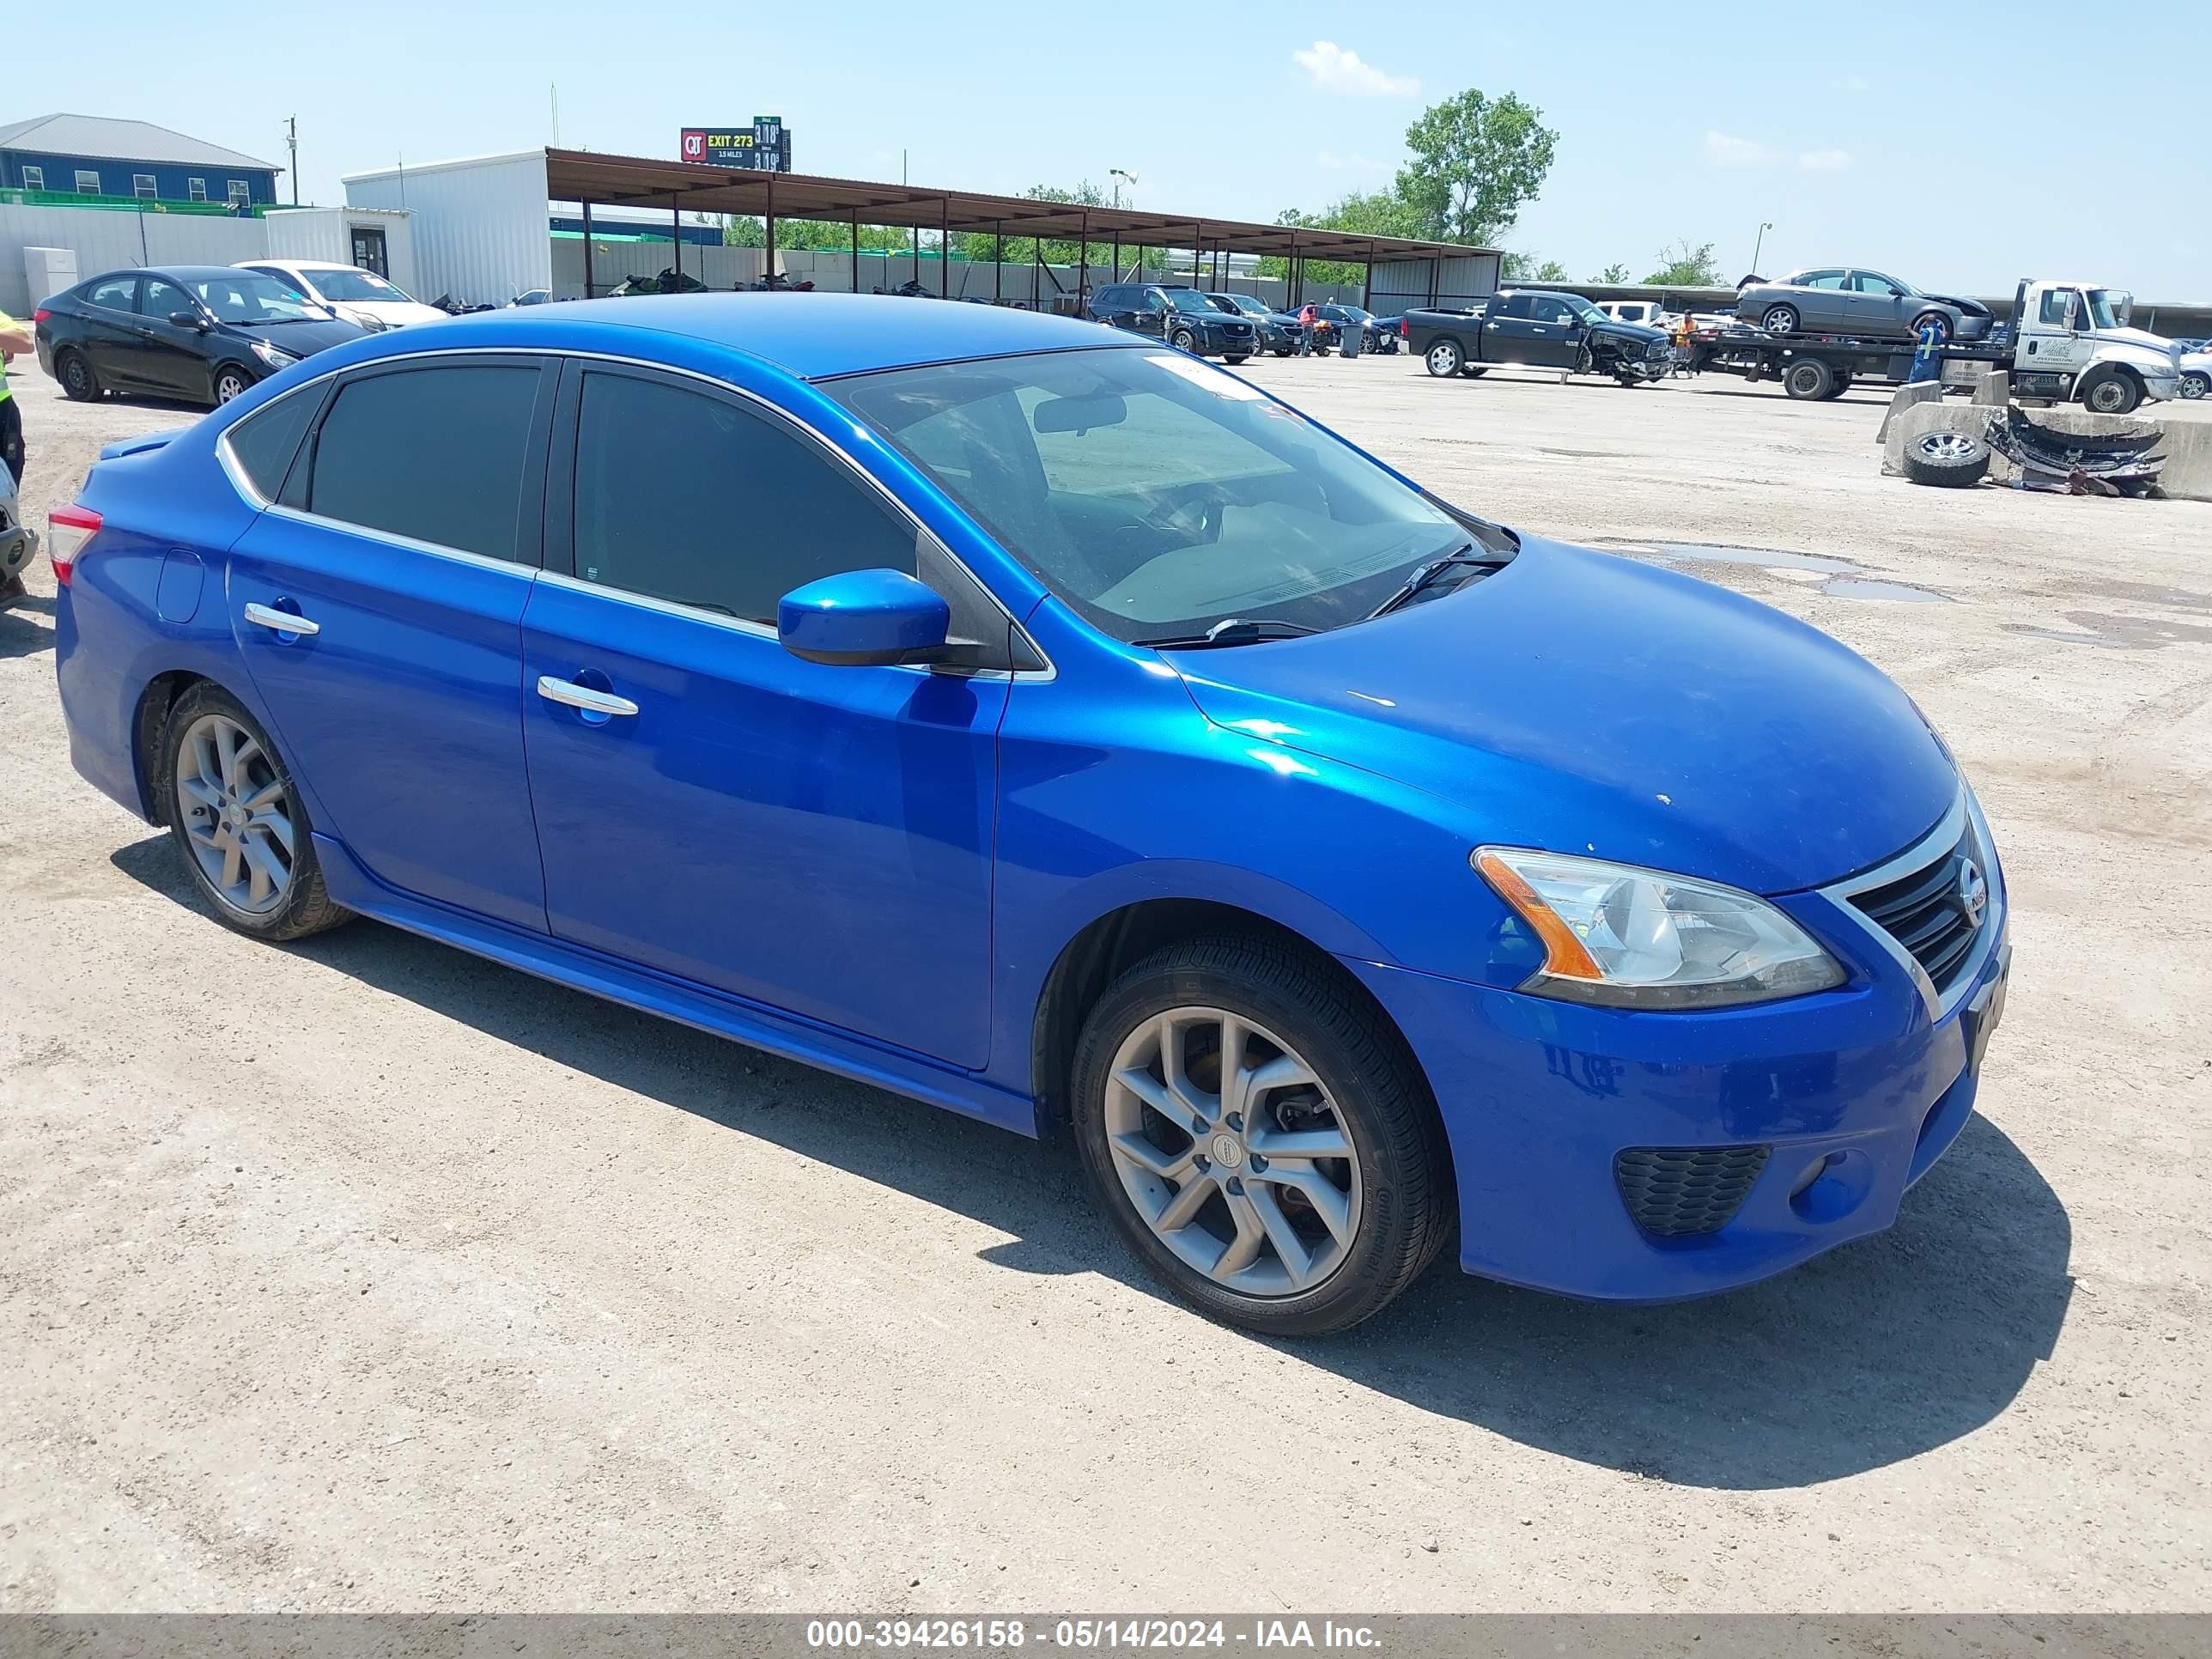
(380, 239)
(479, 226)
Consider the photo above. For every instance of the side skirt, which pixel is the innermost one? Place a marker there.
(757, 1027)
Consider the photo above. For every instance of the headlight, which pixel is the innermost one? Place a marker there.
(275, 356)
(1626, 937)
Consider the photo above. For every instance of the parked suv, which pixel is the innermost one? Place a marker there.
(1279, 330)
(1183, 317)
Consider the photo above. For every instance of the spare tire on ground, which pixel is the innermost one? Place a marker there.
(1948, 460)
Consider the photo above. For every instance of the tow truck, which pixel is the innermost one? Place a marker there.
(2067, 343)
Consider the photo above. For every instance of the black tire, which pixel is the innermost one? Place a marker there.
(1942, 320)
(1475, 371)
(306, 907)
(2114, 392)
(2196, 384)
(1947, 460)
(80, 383)
(1780, 320)
(1445, 357)
(1842, 384)
(231, 380)
(1382, 1104)
(1287, 351)
(1238, 358)
(1183, 340)
(1809, 380)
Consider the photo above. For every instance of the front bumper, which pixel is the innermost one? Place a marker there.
(1852, 1094)
(2161, 388)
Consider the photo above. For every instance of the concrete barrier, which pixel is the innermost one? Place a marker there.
(2186, 444)
(1911, 396)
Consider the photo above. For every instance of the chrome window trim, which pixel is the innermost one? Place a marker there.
(436, 549)
(773, 411)
(235, 470)
(1965, 812)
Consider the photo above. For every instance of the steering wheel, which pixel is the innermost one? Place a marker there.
(1193, 511)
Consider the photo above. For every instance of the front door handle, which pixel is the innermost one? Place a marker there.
(601, 703)
(285, 622)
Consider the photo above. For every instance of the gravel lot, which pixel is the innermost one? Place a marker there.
(365, 1274)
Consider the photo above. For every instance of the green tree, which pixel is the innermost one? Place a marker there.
(1476, 161)
(1612, 275)
(1526, 268)
(1684, 266)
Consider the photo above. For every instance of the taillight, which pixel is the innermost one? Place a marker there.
(68, 529)
(41, 314)
(1404, 329)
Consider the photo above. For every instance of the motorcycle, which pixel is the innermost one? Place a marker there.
(777, 282)
(670, 281)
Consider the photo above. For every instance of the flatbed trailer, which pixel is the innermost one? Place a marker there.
(1814, 367)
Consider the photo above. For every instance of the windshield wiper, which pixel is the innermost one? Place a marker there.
(1232, 630)
(1420, 580)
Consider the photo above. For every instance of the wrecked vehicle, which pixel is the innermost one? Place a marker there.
(1535, 328)
(1844, 300)
(2044, 458)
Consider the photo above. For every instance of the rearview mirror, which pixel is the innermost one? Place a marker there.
(860, 618)
(1080, 414)
(189, 319)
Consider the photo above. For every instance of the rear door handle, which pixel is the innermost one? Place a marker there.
(285, 622)
(582, 696)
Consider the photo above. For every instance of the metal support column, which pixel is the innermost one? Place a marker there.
(1436, 268)
(856, 254)
(1367, 287)
(1036, 270)
(1117, 256)
(1082, 264)
(675, 230)
(944, 247)
(587, 251)
(1297, 274)
(768, 220)
(998, 262)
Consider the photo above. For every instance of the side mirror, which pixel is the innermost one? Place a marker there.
(861, 618)
(189, 319)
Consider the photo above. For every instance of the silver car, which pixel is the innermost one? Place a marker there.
(1844, 300)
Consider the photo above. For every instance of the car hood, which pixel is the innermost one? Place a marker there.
(1582, 702)
(1972, 308)
(1642, 333)
(392, 313)
(2137, 336)
(301, 339)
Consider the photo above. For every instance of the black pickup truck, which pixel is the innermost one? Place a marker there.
(1535, 328)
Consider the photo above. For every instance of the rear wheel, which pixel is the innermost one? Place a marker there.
(1445, 359)
(1808, 378)
(1258, 1143)
(79, 383)
(1842, 384)
(1780, 320)
(1238, 358)
(238, 822)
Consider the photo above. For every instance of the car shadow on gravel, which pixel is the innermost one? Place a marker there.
(1865, 1357)
(21, 634)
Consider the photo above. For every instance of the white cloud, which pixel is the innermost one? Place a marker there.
(1723, 151)
(1339, 69)
(1825, 160)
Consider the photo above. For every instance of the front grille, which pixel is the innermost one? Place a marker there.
(1685, 1191)
(1927, 911)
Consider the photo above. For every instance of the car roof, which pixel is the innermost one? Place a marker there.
(299, 264)
(812, 336)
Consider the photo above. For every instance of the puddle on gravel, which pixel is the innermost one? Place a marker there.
(1845, 581)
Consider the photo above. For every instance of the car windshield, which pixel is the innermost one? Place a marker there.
(354, 285)
(1186, 299)
(1243, 302)
(1157, 495)
(247, 296)
(2102, 313)
(1584, 309)
(1353, 313)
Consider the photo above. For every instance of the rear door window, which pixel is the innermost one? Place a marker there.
(435, 454)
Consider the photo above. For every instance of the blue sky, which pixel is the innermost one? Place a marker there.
(1831, 120)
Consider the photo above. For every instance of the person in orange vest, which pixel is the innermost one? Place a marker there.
(1309, 322)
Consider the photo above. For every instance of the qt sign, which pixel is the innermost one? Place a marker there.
(762, 147)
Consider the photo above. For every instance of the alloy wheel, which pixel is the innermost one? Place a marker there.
(236, 814)
(1949, 446)
(227, 384)
(1232, 1152)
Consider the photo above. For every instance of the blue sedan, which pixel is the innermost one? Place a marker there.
(1053, 728)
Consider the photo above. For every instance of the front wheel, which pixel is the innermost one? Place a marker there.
(1261, 1147)
(2111, 394)
(1445, 359)
(2196, 384)
(1183, 340)
(237, 821)
(1935, 319)
(230, 381)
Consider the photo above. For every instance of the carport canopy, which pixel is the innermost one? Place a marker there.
(590, 178)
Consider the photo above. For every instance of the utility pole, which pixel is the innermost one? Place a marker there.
(292, 140)
(1760, 242)
(555, 90)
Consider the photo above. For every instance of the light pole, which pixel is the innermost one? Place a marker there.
(1120, 177)
(1760, 242)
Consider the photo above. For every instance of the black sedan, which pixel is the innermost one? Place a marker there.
(202, 333)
